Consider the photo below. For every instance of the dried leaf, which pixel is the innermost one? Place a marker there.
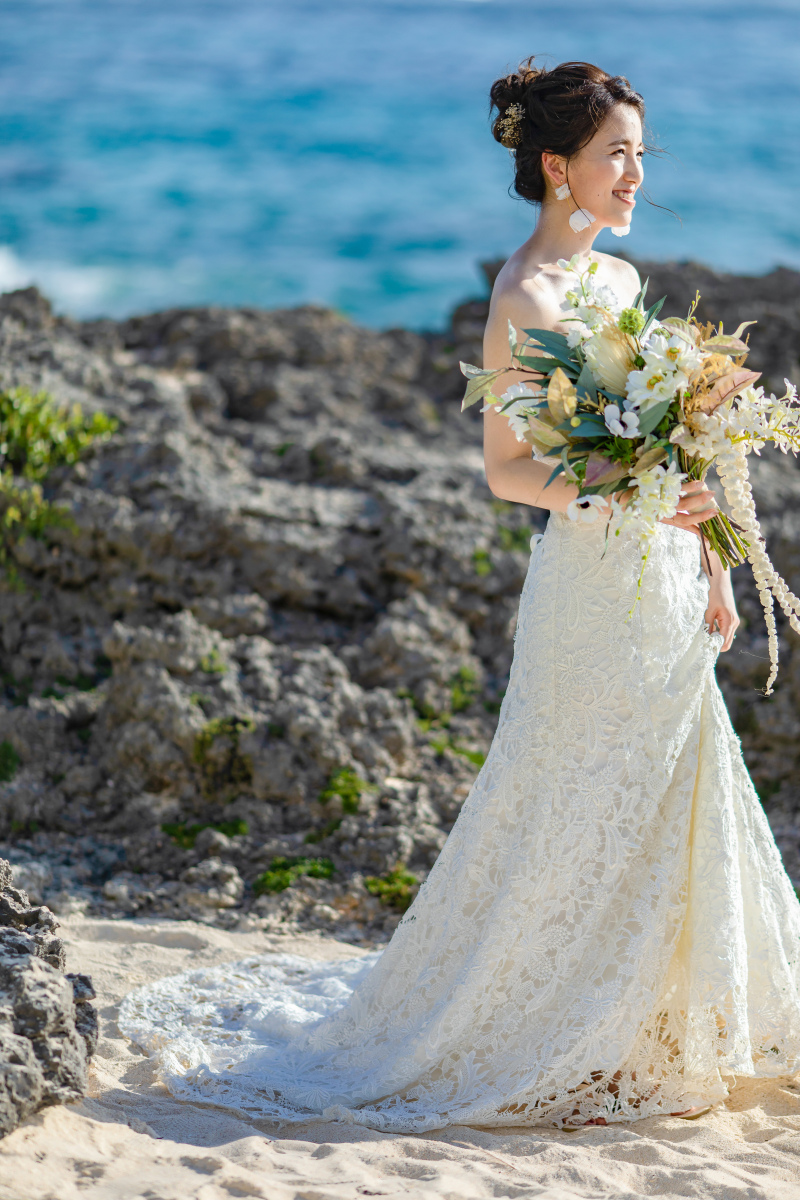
(725, 388)
(544, 433)
(649, 459)
(562, 397)
(725, 344)
(602, 470)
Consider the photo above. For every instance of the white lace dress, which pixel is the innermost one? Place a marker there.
(609, 930)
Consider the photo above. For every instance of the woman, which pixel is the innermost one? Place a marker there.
(609, 932)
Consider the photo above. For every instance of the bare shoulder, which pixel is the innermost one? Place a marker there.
(525, 296)
(622, 276)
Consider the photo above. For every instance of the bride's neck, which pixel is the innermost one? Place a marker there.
(554, 237)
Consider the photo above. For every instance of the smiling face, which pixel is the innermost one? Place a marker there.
(606, 173)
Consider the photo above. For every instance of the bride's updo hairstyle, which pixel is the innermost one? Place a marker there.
(556, 111)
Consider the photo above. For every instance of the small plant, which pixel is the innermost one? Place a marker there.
(319, 835)
(282, 873)
(395, 889)
(17, 691)
(348, 786)
(481, 562)
(230, 769)
(463, 689)
(440, 744)
(514, 539)
(185, 836)
(9, 762)
(212, 663)
(275, 730)
(36, 435)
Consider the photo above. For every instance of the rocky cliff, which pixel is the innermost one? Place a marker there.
(252, 679)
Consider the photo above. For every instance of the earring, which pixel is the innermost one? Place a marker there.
(581, 219)
(563, 192)
(620, 230)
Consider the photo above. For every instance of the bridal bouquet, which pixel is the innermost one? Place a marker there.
(628, 405)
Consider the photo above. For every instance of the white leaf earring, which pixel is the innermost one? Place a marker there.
(581, 219)
(620, 230)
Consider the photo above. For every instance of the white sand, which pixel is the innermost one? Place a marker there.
(131, 1139)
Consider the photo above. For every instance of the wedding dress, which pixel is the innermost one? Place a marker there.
(608, 932)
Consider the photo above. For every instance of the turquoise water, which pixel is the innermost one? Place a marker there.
(245, 152)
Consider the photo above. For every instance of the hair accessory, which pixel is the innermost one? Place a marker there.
(620, 230)
(563, 192)
(581, 219)
(510, 126)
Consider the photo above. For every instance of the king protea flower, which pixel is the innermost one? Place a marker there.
(610, 354)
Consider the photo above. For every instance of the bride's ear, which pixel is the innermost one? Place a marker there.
(554, 169)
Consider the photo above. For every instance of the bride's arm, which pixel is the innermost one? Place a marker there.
(511, 472)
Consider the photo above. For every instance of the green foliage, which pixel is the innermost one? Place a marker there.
(212, 663)
(463, 689)
(395, 889)
(281, 450)
(36, 434)
(282, 873)
(515, 539)
(319, 835)
(24, 512)
(184, 835)
(348, 786)
(446, 742)
(9, 762)
(230, 769)
(481, 562)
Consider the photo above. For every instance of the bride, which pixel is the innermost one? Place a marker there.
(609, 932)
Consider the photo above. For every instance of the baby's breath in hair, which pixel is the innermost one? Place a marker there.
(509, 126)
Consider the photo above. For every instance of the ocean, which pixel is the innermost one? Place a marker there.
(248, 152)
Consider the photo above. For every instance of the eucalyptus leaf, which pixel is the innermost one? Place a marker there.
(555, 343)
(653, 417)
(478, 386)
(651, 315)
(554, 474)
(586, 380)
(638, 301)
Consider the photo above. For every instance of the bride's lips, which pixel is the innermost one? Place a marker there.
(626, 197)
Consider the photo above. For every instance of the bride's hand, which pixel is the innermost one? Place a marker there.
(697, 504)
(721, 615)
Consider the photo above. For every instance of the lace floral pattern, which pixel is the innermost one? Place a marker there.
(608, 931)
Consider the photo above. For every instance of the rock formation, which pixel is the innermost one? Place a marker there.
(48, 1028)
(254, 678)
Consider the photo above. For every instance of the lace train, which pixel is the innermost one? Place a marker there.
(608, 932)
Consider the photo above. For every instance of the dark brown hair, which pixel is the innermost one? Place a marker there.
(560, 111)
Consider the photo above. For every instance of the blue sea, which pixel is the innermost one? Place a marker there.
(274, 152)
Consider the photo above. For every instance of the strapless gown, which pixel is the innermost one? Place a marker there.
(608, 931)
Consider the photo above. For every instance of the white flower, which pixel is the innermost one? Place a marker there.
(586, 509)
(624, 425)
(661, 348)
(650, 386)
(518, 389)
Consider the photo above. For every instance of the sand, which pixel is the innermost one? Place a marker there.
(130, 1139)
